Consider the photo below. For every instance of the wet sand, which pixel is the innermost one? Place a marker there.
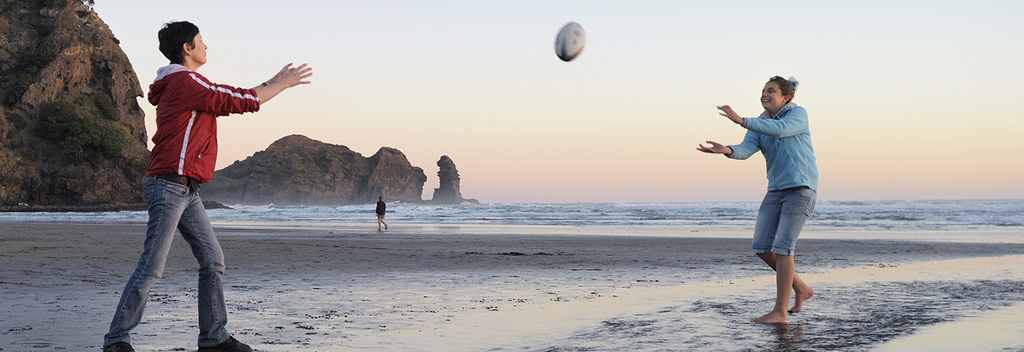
(510, 288)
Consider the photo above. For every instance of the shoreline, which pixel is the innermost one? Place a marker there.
(312, 289)
(990, 234)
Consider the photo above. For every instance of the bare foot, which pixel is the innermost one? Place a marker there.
(802, 296)
(772, 318)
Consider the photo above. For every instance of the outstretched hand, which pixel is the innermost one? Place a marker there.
(286, 78)
(715, 148)
(292, 76)
(732, 115)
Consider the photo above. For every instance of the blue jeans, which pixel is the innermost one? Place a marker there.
(781, 218)
(174, 206)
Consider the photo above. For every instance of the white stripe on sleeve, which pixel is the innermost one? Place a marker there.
(223, 90)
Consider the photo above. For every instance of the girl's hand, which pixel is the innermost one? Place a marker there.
(715, 148)
(732, 115)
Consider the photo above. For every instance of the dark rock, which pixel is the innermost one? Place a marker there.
(449, 191)
(72, 134)
(296, 170)
(209, 204)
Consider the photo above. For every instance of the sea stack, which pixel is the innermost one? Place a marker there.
(448, 192)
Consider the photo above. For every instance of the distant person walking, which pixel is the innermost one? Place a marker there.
(783, 136)
(183, 157)
(381, 207)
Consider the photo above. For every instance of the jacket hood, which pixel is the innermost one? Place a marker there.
(157, 88)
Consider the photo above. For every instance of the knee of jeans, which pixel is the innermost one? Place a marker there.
(212, 267)
(149, 278)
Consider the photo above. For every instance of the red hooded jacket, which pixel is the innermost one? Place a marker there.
(187, 107)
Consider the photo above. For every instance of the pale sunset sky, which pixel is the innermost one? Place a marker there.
(907, 100)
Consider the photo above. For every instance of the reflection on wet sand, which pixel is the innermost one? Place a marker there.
(856, 309)
(324, 290)
(1000, 329)
(789, 337)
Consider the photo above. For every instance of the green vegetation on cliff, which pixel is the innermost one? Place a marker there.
(71, 131)
(82, 130)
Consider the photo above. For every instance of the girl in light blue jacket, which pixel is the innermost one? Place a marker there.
(782, 135)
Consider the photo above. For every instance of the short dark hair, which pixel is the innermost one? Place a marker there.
(785, 86)
(173, 35)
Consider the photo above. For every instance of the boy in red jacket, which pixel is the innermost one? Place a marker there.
(183, 157)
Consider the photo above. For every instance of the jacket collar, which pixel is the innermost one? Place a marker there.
(782, 112)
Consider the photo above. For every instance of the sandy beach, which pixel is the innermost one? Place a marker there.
(513, 288)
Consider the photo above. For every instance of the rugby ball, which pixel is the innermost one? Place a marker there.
(569, 42)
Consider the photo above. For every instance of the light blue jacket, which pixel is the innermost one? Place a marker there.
(785, 142)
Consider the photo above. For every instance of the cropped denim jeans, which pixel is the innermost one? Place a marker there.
(781, 218)
(174, 206)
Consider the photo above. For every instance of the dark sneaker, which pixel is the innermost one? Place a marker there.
(231, 345)
(119, 347)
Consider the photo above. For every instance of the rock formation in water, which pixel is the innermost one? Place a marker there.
(73, 134)
(296, 170)
(449, 191)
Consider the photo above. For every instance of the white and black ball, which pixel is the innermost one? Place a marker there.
(569, 42)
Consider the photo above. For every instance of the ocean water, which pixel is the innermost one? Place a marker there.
(960, 215)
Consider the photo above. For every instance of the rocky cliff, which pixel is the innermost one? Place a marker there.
(71, 128)
(296, 170)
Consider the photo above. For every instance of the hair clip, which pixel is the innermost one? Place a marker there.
(793, 82)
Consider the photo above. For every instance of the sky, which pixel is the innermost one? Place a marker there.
(907, 100)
